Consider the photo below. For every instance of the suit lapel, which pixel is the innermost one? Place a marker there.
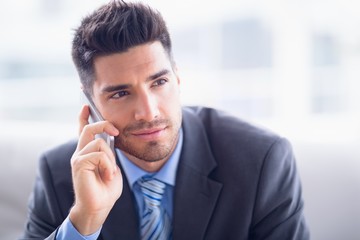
(122, 222)
(195, 193)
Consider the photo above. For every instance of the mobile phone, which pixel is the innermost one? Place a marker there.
(95, 116)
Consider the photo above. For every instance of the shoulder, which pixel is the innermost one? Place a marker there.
(55, 162)
(52, 195)
(61, 150)
(226, 129)
(235, 143)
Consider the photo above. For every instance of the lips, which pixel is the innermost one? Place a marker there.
(149, 134)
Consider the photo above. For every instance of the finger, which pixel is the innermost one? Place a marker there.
(98, 145)
(83, 117)
(89, 132)
(96, 162)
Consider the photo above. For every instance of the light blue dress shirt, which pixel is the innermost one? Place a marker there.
(166, 174)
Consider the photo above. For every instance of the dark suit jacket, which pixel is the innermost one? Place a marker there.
(234, 181)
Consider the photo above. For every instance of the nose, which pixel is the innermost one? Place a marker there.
(146, 108)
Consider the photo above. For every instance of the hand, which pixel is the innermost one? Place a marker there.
(96, 178)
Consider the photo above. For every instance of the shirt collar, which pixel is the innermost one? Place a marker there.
(166, 174)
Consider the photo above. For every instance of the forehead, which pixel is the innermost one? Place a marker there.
(143, 59)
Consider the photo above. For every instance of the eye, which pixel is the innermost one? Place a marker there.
(120, 94)
(159, 82)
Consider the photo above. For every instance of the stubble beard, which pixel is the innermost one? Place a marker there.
(152, 151)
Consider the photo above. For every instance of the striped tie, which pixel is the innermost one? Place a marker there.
(155, 223)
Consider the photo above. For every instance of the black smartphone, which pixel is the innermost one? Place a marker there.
(95, 116)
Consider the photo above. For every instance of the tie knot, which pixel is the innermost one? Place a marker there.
(152, 190)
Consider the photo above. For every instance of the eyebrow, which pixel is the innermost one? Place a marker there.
(114, 88)
(158, 74)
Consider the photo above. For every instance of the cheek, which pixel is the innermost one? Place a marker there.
(171, 102)
(173, 108)
(119, 117)
(173, 93)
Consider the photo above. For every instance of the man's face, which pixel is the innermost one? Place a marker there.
(138, 91)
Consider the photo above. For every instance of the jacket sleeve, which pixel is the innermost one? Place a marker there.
(44, 215)
(278, 211)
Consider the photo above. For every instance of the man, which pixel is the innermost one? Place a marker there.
(178, 173)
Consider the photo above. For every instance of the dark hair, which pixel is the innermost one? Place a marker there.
(114, 28)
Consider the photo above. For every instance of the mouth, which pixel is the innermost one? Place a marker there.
(149, 134)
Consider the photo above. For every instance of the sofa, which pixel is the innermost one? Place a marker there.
(330, 177)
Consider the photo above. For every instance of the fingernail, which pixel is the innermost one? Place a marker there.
(115, 131)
